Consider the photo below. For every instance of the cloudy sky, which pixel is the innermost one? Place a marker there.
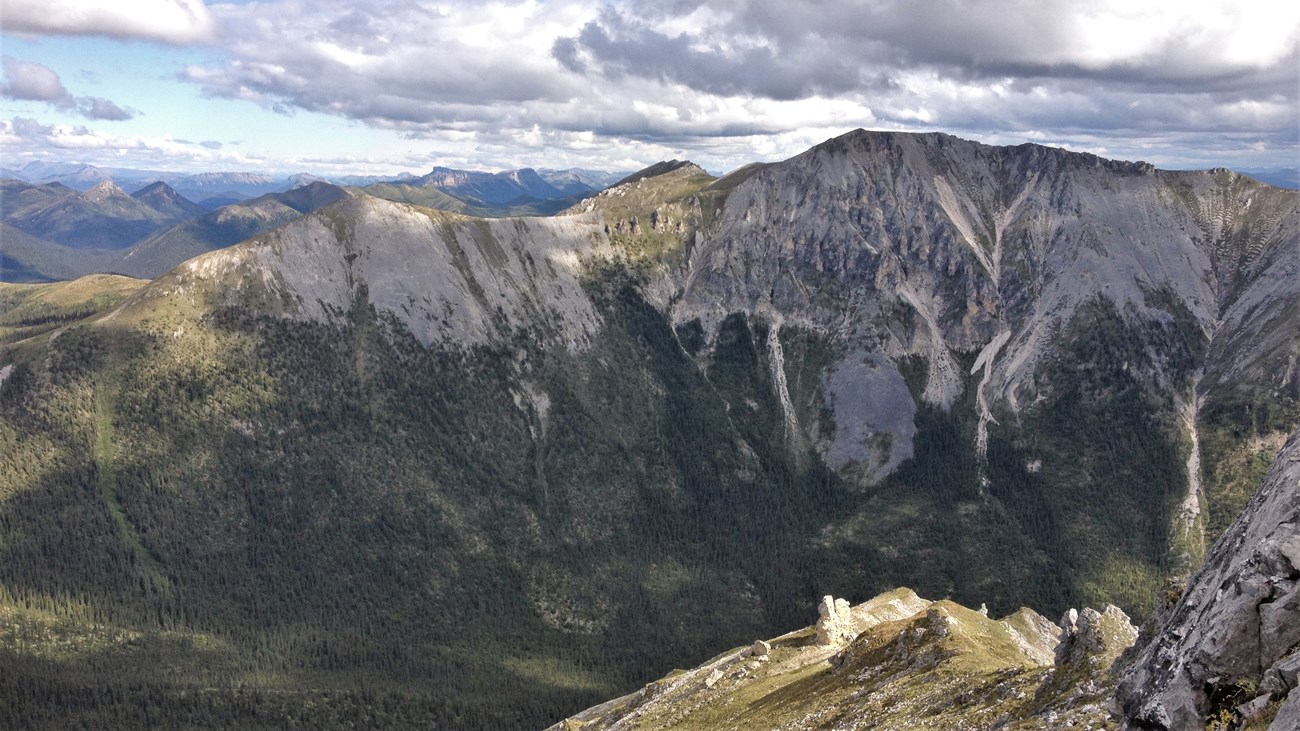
(383, 86)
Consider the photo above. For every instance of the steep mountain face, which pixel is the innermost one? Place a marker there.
(1229, 650)
(505, 468)
(1040, 299)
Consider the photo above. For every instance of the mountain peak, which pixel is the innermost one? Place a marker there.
(661, 168)
(166, 200)
(104, 190)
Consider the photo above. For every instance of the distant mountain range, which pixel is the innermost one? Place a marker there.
(64, 221)
(52, 232)
(215, 189)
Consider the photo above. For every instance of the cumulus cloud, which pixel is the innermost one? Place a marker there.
(691, 72)
(99, 108)
(390, 62)
(177, 22)
(35, 82)
(1137, 41)
(726, 81)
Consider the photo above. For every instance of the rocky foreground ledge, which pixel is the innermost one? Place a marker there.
(1226, 655)
(895, 662)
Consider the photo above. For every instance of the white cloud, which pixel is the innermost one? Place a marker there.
(505, 83)
(177, 22)
(25, 139)
(33, 82)
(26, 81)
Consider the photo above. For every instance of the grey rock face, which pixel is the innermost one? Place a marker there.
(897, 245)
(448, 279)
(1237, 627)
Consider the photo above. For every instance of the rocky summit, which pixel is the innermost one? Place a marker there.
(387, 465)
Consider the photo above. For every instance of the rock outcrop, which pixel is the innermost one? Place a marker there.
(835, 621)
(1230, 649)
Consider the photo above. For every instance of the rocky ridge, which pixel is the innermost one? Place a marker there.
(1225, 656)
(895, 662)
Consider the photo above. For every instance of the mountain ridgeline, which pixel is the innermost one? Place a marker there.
(388, 465)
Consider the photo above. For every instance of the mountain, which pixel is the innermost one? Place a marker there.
(221, 228)
(26, 258)
(576, 181)
(22, 199)
(485, 472)
(513, 193)
(510, 193)
(1281, 177)
(490, 188)
(201, 186)
(215, 189)
(102, 217)
(163, 198)
(76, 176)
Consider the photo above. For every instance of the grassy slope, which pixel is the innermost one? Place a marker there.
(29, 310)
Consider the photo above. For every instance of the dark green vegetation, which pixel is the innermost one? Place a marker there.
(280, 507)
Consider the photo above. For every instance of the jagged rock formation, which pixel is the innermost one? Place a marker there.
(1230, 649)
(900, 662)
(834, 622)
